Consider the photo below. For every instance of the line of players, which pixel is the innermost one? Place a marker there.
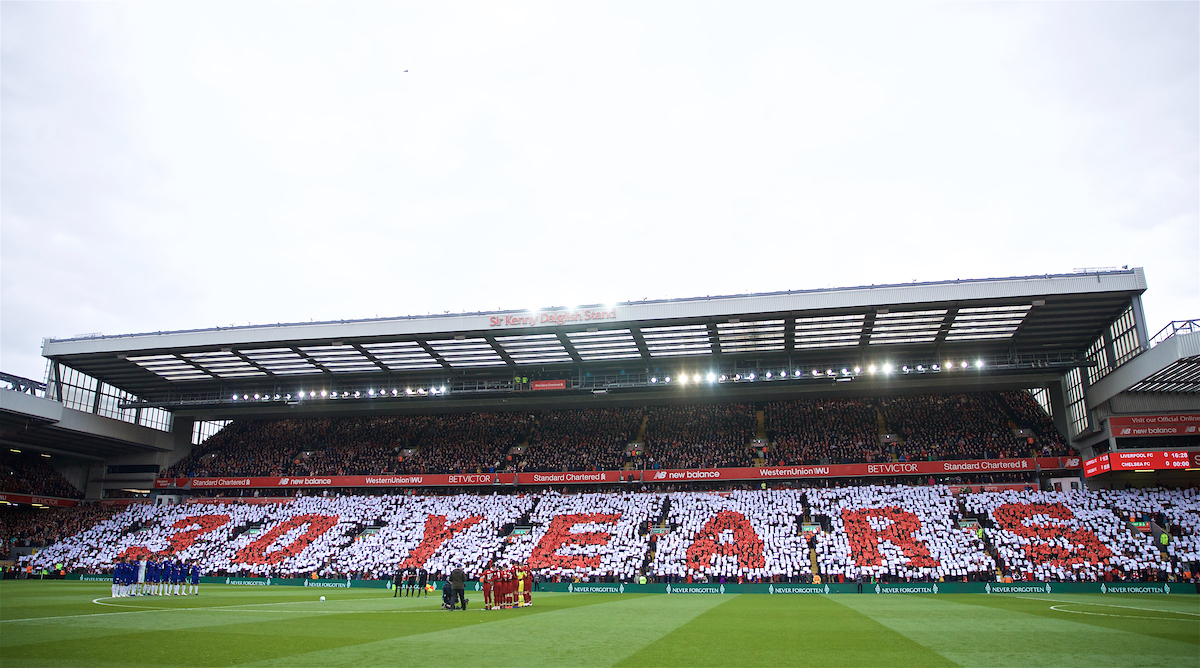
(507, 587)
(166, 577)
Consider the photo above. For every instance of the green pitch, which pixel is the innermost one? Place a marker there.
(59, 624)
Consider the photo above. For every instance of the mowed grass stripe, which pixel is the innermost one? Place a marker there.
(1013, 630)
(204, 631)
(611, 628)
(801, 630)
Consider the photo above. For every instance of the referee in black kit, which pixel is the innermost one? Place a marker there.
(397, 581)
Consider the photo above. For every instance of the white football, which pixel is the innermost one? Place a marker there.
(322, 598)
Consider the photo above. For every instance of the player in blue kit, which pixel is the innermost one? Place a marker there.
(153, 576)
(195, 573)
(179, 573)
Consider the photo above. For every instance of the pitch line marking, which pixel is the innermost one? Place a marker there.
(228, 608)
(1113, 605)
(1058, 608)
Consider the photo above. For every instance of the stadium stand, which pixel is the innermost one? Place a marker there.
(824, 431)
(888, 533)
(807, 431)
(582, 440)
(699, 436)
(24, 473)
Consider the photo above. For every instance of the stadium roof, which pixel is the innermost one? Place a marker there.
(1034, 321)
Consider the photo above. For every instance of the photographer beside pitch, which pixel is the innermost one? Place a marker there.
(458, 587)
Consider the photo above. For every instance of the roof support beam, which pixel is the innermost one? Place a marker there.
(636, 333)
(374, 360)
(951, 314)
(499, 350)
(434, 354)
(566, 344)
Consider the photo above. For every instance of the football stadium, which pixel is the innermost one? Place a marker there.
(967, 472)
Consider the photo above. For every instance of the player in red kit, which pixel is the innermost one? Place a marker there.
(527, 588)
(488, 581)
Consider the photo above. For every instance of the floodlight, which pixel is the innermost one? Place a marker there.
(653, 380)
(751, 376)
(356, 394)
(887, 368)
(783, 374)
(276, 397)
(235, 397)
(737, 377)
(322, 393)
(964, 365)
(921, 368)
(245, 396)
(905, 369)
(682, 379)
(722, 378)
(768, 375)
(314, 393)
(371, 393)
(845, 372)
(871, 369)
(408, 390)
(711, 376)
(829, 372)
(978, 364)
(816, 372)
(696, 378)
(256, 395)
(443, 390)
(667, 379)
(937, 368)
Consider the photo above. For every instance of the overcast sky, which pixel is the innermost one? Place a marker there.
(167, 166)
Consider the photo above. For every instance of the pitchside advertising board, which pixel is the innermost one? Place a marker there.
(41, 500)
(779, 589)
(652, 475)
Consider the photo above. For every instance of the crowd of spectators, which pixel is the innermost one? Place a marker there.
(311, 446)
(26, 526)
(824, 431)
(951, 426)
(699, 436)
(876, 532)
(590, 439)
(1048, 442)
(468, 443)
(25, 473)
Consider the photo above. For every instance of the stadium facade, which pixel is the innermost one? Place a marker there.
(115, 410)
